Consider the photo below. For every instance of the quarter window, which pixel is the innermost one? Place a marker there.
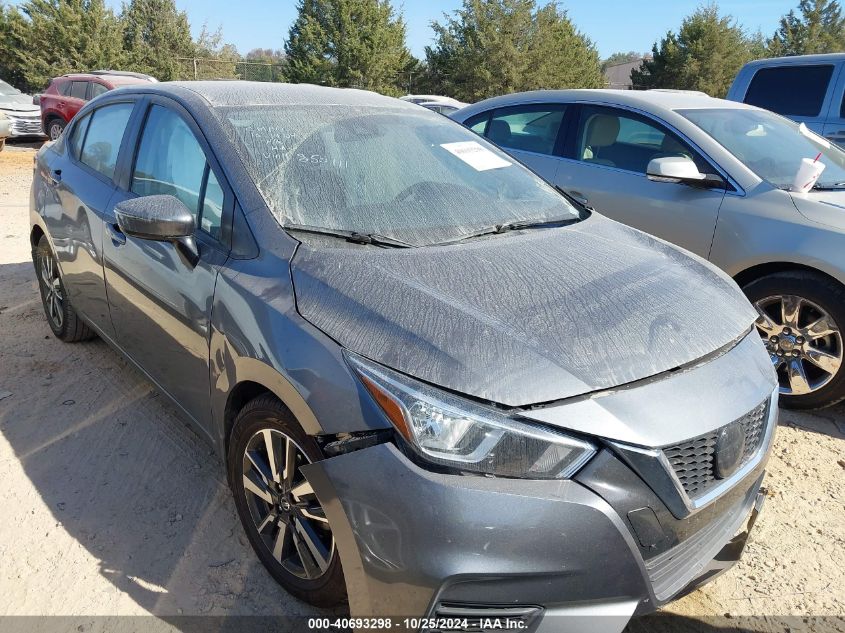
(103, 137)
(97, 89)
(78, 89)
(616, 138)
(77, 136)
(790, 90)
(527, 128)
(170, 161)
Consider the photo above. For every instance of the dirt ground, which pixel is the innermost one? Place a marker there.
(109, 505)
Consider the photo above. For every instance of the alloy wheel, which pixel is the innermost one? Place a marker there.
(803, 341)
(55, 131)
(52, 288)
(284, 509)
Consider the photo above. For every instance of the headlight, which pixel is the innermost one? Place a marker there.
(452, 431)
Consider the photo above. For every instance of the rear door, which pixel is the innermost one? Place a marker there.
(529, 132)
(81, 180)
(606, 155)
(802, 92)
(76, 98)
(160, 303)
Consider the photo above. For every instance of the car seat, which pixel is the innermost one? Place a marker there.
(602, 131)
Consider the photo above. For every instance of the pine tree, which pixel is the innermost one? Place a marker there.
(705, 55)
(347, 43)
(41, 39)
(820, 28)
(155, 36)
(490, 47)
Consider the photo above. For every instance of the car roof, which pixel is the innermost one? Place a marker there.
(797, 59)
(113, 79)
(650, 100)
(254, 93)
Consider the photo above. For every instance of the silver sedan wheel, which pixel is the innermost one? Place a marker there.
(803, 341)
(52, 289)
(283, 506)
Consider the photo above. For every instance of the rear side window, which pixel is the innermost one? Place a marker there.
(64, 88)
(97, 89)
(171, 161)
(531, 128)
(478, 123)
(790, 90)
(103, 137)
(77, 136)
(78, 89)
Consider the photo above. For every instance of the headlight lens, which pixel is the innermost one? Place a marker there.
(452, 431)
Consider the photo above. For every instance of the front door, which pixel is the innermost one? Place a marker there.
(606, 166)
(160, 302)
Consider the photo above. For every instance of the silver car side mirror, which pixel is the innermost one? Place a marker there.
(677, 169)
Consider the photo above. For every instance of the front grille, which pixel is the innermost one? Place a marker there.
(24, 125)
(694, 460)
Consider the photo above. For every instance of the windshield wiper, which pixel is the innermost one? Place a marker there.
(517, 226)
(829, 186)
(350, 236)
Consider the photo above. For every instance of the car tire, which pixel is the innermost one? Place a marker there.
(55, 128)
(2, 144)
(63, 320)
(801, 354)
(291, 563)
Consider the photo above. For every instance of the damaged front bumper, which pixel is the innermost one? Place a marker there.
(418, 543)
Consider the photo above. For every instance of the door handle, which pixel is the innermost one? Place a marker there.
(56, 176)
(118, 237)
(580, 198)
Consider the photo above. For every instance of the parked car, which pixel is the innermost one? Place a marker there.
(809, 89)
(5, 130)
(441, 108)
(439, 387)
(712, 176)
(67, 94)
(21, 115)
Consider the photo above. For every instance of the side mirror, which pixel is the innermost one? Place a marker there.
(161, 218)
(676, 169)
(36, 99)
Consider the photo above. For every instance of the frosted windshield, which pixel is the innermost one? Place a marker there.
(412, 176)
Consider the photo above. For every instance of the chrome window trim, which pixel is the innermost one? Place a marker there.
(740, 191)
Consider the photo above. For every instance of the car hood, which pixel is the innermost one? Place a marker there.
(524, 318)
(18, 103)
(824, 207)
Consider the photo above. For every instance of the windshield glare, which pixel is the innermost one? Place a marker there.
(412, 176)
(7, 91)
(770, 145)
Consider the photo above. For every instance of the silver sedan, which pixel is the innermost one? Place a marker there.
(717, 178)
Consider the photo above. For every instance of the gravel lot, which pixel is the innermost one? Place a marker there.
(111, 506)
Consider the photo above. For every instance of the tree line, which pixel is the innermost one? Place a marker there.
(484, 48)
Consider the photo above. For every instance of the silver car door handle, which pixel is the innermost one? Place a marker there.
(118, 237)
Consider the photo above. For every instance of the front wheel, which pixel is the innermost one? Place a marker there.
(801, 316)
(283, 518)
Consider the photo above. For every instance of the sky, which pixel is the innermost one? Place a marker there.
(613, 25)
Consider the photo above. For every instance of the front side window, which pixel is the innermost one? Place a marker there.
(770, 145)
(78, 89)
(103, 137)
(408, 174)
(526, 128)
(790, 90)
(170, 161)
(624, 140)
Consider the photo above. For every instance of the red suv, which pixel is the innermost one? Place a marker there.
(67, 94)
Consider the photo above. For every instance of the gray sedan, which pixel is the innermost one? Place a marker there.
(439, 387)
(714, 177)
